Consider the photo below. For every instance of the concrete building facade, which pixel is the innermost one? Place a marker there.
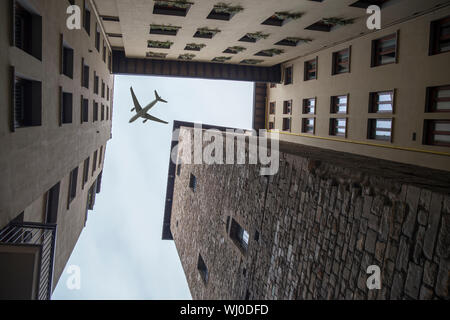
(312, 230)
(56, 109)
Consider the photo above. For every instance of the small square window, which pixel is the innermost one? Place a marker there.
(67, 60)
(27, 31)
(311, 69)
(309, 106)
(437, 132)
(287, 107)
(438, 99)
(440, 36)
(272, 107)
(72, 186)
(66, 107)
(384, 50)
(84, 110)
(287, 124)
(338, 127)
(288, 75)
(202, 269)
(273, 85)
(381, 102)
(341, 61)
(193, 182)
(271, 125)
(380, 129)
(308, 125)
(27, 103)
(339, 104)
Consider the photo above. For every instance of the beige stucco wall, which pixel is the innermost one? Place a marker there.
(414, 72)
(34, 159)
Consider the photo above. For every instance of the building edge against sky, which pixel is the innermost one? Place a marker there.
(56, 120)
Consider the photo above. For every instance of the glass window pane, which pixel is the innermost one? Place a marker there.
(385, 107)
(442, 138)
(445, 105)
(440, 126)
(385, 97)
(384, 124)
(383, 133)
(444, 93)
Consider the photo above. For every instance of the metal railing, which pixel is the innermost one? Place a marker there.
(35, 234)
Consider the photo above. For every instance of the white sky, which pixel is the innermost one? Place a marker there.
(120, 252)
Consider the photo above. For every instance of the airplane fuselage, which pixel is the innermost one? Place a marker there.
(143, 111)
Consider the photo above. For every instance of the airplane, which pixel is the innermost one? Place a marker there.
(142, 112)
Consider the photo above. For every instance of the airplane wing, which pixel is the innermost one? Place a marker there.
(135, 101)
(149, 117)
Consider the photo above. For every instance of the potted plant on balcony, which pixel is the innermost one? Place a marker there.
(282, 17)
(206, 33)
(224, 11)
(159, 44)
(186, 56)
(269, 52)
(195, 46)
(172, 7)
(221, 59)
(292, 41)
(333, 21)
(156, 55)
(164, 29)
(251, 61)
(253, 37)
(234, 49)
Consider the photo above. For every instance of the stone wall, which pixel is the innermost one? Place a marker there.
(321, 223)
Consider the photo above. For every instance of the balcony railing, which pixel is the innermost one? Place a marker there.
(38, 235)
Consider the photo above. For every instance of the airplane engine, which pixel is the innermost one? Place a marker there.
(144, 121)
(132, 109)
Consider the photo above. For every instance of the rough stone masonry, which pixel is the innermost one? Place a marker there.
(314, 228)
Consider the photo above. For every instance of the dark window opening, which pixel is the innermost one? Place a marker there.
(338, 127)
(66, 107)
(27, 31)
(438, 99)
(103, 89)
(178, 169)
(239, 236)
(95, 109)
(341, 61)
(97, 38)
(437, 132)
(27, 103)
(94, 162)
(84, 110)
(171, 8)
(286, 124)
(272, 107)
(87, 19)
(203, 270)
(381, 102)
(311, 70)
(192, 182)
(72, 186)
(84, 74)
(440, 36)
(287, 107)
(384, 50)
(308, 125)
(339, 104)
(86, 171)
(380, 129)
(309, 106)
(52, 203)
(102, 113)
(96, 83)
(288, 75)
(271, 125)
(256, 238)
(67, 61)
(364, 4)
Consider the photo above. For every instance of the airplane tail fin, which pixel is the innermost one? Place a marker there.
(159, 98)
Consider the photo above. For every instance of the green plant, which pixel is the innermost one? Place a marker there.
(182, 4)
(257, 35)
(207, 31)
(283, 15)
(221, 59)
(236, 49)
(195, 46)
(158, 55)
(186, 56)
(272, 52)
(251, 61)
(295, 40)
(159, 44)
(163, 27)
(223, 7)
(333, 21)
